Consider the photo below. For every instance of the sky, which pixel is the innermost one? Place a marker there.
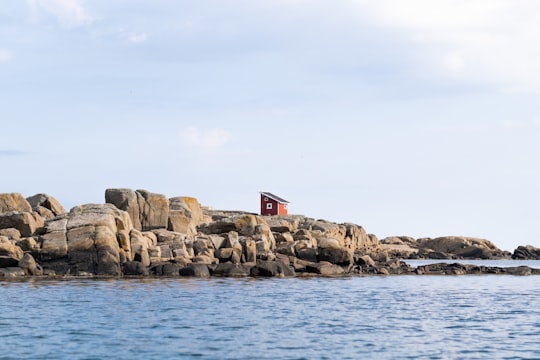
(417, 118)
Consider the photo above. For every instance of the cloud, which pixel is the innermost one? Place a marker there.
(5, 55)
(486, 41)
(206, 139)
(70, 13)
(138, 38)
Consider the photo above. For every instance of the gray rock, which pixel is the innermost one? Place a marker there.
(26, 222)
(231, 270)
(196, 270)
(127, 200)
(165, 269)
(134, 268)
(527, 252)
(8, 261)
(153, 210)
(29, 266)
(365, 260)
(272, 268)
(48, 202)
(307, 254)
(224, 254)
(336, 256)
(325, 269)
(54, 241)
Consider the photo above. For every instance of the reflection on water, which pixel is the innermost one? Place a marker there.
(373, 317)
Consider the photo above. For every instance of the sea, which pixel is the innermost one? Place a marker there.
(357, 317)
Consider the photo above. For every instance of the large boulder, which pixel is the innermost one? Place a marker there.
(154, 210)
(95, 239)
(134, 268)
(127, 200)
(185, 215)
(231, 270)
(29, 266)
(195, 270)
(325, 269)
(14, 202)
(147, 210)
(40, 201)
(140, 246)
(459, 246)
(272, 268)
(27, 223)
(339, 256)
(54, 241)
(527, 252)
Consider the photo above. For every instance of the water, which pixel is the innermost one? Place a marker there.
(425, 317)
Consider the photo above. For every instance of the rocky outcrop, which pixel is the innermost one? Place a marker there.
(46, 206)
(147, 210)
(527, 252)
(140, 233)
(448, 247)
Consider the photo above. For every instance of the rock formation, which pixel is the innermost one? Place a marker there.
(140, 233)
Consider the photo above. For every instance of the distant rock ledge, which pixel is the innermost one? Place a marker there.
(140, 233)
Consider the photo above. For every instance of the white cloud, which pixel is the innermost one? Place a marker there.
(488, 41)
(207, 138)
(5, 55)
(69, 13)
(138, 38)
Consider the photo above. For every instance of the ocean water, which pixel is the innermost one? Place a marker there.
(374, 317)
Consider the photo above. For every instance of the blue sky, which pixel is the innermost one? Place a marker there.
(416, 118)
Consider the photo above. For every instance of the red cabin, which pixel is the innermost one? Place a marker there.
(273, 205)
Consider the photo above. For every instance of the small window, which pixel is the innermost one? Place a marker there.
(265, 199)
(269, 206)
(284, 206)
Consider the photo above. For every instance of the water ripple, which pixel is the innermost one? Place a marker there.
(374, 317)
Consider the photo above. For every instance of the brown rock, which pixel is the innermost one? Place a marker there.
(14, 202)
(26, 222)
(127, 200)
(11, 233)
(325, 269)
(29, 266)
(54, 241)
(93, 234)
(153, 210)
(336, 256)
(7, 248)
(185, 215)
(249, 248)
(28, 244)
(47, 202)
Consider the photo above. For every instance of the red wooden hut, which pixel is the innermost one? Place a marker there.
(273, 205)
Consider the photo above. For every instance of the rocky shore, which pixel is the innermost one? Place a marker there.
(140, 233)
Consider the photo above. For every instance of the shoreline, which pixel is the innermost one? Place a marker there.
(137, 233)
